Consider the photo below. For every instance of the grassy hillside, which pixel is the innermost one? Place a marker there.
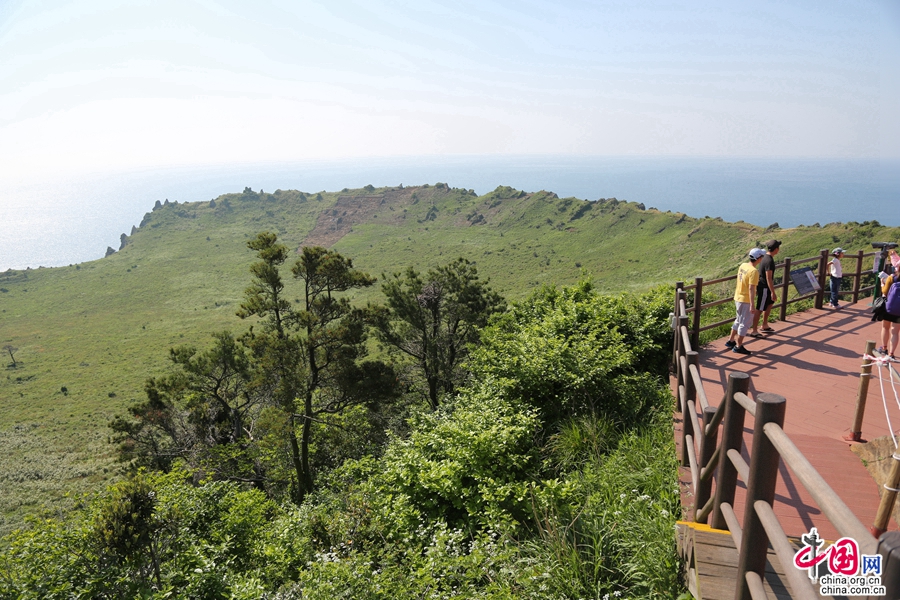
(89, 335)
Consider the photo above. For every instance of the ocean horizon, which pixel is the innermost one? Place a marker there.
(72, 219)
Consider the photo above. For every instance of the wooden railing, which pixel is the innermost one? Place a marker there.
(856, 273)
(711, 460)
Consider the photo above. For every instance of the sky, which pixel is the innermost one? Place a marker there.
(95, 85)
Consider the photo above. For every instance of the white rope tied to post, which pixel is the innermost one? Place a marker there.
(885, 485)
(885, 361)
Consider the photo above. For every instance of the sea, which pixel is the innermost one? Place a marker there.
(70, 219)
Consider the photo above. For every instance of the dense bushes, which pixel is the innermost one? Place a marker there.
(551, 474)
(570, 351)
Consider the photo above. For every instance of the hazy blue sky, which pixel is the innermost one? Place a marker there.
(102, 84)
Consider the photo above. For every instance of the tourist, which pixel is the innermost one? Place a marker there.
(744, 293)
(890, 324)
(837, 274)
(765, 291)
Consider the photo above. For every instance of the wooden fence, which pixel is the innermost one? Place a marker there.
(713, 460)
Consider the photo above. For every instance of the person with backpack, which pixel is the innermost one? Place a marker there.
(889, 313)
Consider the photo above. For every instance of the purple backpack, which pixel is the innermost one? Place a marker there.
(892, 303)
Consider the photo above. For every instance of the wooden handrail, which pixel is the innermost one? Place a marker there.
(800, 583)
(739, 463)
(710, 467)
(692, 461)
(830, 503)
(732, 523)
(755, 585)
(698, 384)
(717, 418)
(717, 324)
(806, 260)
(686, 339)
(692, 410)
(704, 512)
(746, 402)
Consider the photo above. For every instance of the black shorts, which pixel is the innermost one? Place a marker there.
(763, 298)
(886, 317)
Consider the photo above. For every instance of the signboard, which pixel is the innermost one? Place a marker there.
(805, 281)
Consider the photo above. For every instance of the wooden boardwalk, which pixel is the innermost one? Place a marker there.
(712, 560)
(813, 359)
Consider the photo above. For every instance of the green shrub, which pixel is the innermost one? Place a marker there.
(469, 465)
(571, 351)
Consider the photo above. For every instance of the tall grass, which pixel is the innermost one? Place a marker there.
(616, 537)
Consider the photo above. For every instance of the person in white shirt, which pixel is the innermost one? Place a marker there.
(837, 274)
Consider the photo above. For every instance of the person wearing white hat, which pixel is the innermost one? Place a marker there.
(837, 274)
(744, 293)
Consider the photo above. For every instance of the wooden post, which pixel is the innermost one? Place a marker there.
(857, 279)
(786, 280)
(889, 549)
(888, 497)
(698, 305)
(680, 323)
(690, 393)
(707, 449)
(862, 393)
(676, 343)
(732, 437)
(820, 295)
(764, 459)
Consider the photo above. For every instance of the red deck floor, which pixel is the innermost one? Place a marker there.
(813, 360)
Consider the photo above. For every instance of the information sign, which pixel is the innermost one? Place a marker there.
(805, 281)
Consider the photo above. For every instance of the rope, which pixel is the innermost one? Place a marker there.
(885, 485)
(883, 361)
(893, 387)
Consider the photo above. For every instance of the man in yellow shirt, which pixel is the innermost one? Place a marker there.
(744, 293)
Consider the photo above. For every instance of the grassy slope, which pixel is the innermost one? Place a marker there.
(100, 328)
